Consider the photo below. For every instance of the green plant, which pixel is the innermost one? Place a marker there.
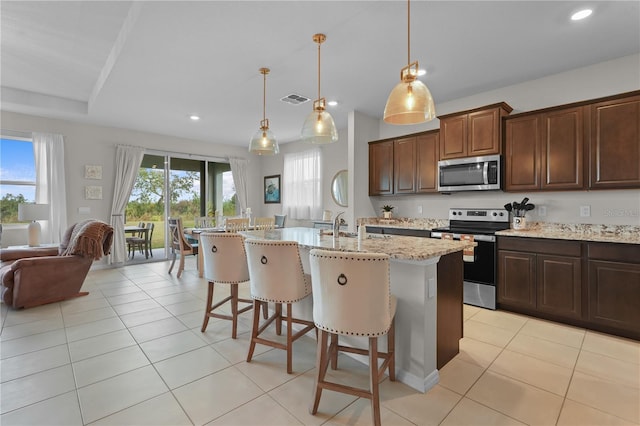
(387, 208)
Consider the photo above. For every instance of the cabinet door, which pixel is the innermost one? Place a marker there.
(404, 165)
(559, 285)
(484, 133)
(517, 279)
(522, 153)
(615, 144)
(427, 153)
(562, 149)
(453, 137)
(614, 294)
(381, 168)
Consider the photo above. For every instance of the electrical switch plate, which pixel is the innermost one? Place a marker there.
(585, 211)
(542, 210)
(420, 209)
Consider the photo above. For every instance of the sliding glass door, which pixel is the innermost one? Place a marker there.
(174, 186)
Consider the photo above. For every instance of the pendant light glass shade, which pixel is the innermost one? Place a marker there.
(410, 102)
(263, 142)
(319, 127)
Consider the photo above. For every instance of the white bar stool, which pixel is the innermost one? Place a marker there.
(277, 276)
(225, 262)
(351, 296)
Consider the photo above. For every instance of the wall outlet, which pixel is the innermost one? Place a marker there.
(420, 209)
(542, 210)
(585, 211)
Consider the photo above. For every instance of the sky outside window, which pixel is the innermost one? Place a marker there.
(17, 165)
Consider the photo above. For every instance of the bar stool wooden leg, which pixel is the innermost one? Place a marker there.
(254, 330)
(234, 310)
(289, 339)
(321, 369)
(374, 380)
(391, 349)
(208, 308)
(333, 351)
(278, 319)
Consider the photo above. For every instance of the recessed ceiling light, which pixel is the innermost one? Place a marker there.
(194, 117)
(581, 14)
(332, 103)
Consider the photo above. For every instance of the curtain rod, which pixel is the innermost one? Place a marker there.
(16, 134)
(184, 154)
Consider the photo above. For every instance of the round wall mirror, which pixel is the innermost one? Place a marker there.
(339, 188)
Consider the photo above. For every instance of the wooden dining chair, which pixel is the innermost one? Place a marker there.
(179, 244)
(264, 223)
(235, 225)
(136, 241)
(142, 241)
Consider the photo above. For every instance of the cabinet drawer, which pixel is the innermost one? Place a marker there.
(614, 252)
(541, 245)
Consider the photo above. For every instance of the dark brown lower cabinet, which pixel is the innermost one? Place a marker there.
(614, 286)
(586, 284)
(540, 276)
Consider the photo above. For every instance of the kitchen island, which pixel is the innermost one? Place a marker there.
(426, 278)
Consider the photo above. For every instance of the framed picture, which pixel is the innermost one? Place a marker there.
(93, 192)
(93, 172)
(272, 192)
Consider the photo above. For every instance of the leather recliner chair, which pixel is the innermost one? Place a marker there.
(36, 276)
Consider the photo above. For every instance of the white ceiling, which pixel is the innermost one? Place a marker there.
(148, 65)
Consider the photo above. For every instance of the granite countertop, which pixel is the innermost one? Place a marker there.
(404, 222)
(626, 234)
(397, 247)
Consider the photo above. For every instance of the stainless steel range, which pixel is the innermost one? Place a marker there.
(480, 266)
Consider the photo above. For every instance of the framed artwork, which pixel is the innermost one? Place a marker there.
(272, 192)
(93, 192)
(92, 172)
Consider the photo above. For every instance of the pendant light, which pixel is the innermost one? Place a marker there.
(410, 102)
(263, 142)
(319, 127)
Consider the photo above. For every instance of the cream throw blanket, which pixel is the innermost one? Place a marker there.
(89, 238)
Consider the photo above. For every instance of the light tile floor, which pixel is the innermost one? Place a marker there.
(131, 353)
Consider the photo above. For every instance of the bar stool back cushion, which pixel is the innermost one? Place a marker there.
(276, 271)
(225, 260)
(351, 292)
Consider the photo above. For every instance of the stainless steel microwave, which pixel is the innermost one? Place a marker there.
(470, 174)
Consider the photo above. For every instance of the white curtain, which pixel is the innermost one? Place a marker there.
(128, 160)
(302, 185)
(239, 173)
(48, 150)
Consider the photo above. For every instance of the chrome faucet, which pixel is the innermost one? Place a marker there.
(336, 225)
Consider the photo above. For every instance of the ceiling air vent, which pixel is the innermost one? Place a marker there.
(294, 99)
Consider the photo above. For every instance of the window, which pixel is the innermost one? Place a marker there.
(302, 185)
(17, 176)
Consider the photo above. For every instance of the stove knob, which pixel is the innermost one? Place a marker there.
(459, 213)
(495, 214)
(454, 213)
(501, 213)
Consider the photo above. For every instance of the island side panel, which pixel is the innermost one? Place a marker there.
(450, 316)
(414, 285)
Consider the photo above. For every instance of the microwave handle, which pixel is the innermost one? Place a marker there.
(485, 172)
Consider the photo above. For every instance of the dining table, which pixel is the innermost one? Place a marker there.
(137, 230)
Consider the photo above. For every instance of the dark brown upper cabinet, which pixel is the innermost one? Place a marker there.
(472, 133)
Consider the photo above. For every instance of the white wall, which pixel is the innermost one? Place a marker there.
(607, 207)
(90, 144)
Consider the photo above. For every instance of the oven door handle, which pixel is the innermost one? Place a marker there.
(483, 238)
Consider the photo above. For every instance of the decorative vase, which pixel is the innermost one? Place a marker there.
(386, 215)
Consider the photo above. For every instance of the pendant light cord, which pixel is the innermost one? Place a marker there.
(319, 43)
(264, 96)
(408, 32)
